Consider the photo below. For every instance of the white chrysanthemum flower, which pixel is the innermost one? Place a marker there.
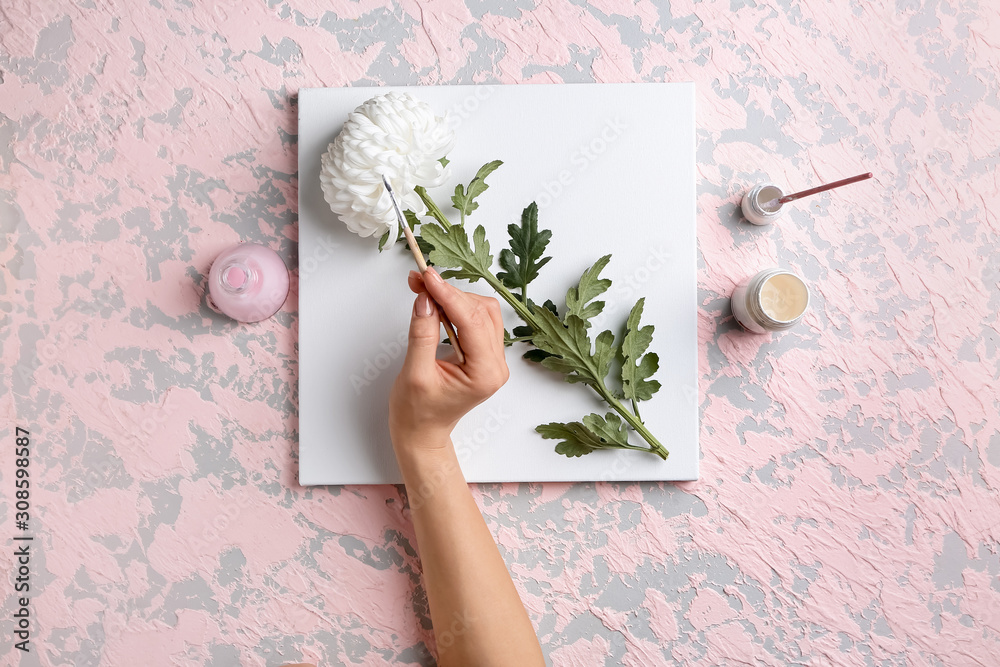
(393, 134)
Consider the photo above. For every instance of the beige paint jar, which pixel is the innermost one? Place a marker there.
(772, 300)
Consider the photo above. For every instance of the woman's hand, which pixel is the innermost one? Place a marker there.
(477, 614)
(431, 395)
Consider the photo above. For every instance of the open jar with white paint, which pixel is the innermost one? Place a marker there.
(761, 206)
(772, 300)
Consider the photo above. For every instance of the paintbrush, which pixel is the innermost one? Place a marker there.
(775, 203)
(422, 265)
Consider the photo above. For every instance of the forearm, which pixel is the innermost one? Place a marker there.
(477, 614)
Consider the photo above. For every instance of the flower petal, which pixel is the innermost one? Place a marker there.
(395, 135)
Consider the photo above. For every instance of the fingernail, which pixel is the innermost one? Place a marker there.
(423, 307)
(433, 275)
(415, 275)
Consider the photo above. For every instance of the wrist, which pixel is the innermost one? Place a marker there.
(423, 450)
(427, 472)
(422, 436)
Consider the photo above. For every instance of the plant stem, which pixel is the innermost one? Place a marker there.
(528, 317)
(515, 303)
(635, 409)
(432, 207)
(636, 448)
(633, 421)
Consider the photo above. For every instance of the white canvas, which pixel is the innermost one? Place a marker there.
(612, 167)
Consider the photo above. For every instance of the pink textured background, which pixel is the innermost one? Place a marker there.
(848, 507)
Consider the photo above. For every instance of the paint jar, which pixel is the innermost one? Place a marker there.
(754, 204)
(248, 282)
(772, 300)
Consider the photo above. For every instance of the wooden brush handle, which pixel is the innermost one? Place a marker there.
(824, 188)
(422, 265)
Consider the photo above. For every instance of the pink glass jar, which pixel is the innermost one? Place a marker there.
(248, 282)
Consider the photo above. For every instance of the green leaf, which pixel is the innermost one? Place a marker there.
(535, 355)
(568, 344)
(562, 344)
(411, 219)
(522, 330)
(452, 250)
(580, 299)
(610, 429)
(637, 369)
(382, 241)
(444, 161)
(577, 439)
(464, 200)
(423, 244)
(596, 432)
(570, 348)
(548, 305)
(524, 257)
(604, 352)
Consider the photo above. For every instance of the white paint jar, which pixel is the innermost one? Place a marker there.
(753, 204)
(772, 300)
